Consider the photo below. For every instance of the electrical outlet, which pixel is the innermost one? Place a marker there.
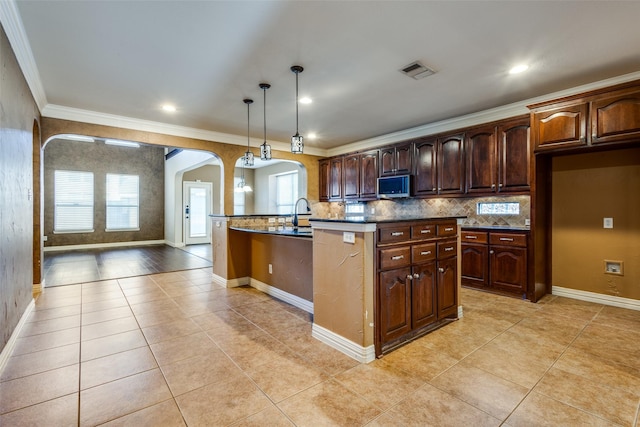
(527, 222)
(270, 269)
(349, 237)
(373, 211)
(608, 223)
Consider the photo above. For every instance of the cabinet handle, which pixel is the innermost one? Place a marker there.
(493, 186)
(409, 277)
(425, 253)
(491, 251)
(450, 248)
(441, 270)
(500, 185)
(397, 257)
(416, 276)
(470, 237)
(448, 229)
(439, 188)
(433, 189)
(427, 231)
(506, 239)
(397, 233)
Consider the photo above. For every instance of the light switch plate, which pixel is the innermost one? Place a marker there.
(608, 223)
(349, 237)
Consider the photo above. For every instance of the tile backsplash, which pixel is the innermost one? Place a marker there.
(437, 207)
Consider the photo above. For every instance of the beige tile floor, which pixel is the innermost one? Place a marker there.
(175, 349)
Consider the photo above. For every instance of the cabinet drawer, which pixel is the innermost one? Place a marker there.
(508, 239)
(450, 229)
(447, 249)
(423, 253)
(474, 236)
(423, 231)
(394, 234)
(395, 257)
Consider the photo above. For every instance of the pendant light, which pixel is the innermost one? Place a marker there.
(297, 145)
(265, 149)
(248, 156)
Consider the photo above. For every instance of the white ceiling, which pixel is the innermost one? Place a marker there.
(127, 58)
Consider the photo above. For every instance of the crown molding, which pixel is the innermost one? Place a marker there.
(478, 118)
(96, 118)
(12, 24)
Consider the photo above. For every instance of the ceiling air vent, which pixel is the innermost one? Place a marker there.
(417, 71)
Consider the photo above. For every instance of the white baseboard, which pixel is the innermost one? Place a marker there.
(294, 300)
(8, 348)
(460, 312)
(343, 345)
(229, 283)
(631, 304)
(105, 245)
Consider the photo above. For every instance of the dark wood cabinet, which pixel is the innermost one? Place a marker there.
(368, 175)
(450, 164)
(481, 150)
(603, 116)
(514, 154)
(323, 180)
(495, 261)
(335, 179)
(417, 287)
(396, 160)
(615, 117)
(351, 176)
(425, 181)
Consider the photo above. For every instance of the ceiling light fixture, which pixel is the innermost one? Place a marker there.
(247, 160)
(121, 143)
(305, 100)
(169, 108)
(265, 149)
(519, 69)
(297, 145)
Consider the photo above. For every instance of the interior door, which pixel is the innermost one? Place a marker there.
(197, 205)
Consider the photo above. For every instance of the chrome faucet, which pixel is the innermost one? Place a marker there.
(294, 221)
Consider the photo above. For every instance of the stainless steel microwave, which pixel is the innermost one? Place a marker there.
(393, 186)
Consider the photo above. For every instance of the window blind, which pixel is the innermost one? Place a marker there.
(286, 192)
(73, 201)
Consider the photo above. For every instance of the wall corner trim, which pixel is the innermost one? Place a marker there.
(343, 345)
(11, 344)
(628, 303)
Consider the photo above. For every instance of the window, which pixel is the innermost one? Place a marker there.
(286, 192)
(123, 202)
(498, 208)
(73, 202)
(238, 196)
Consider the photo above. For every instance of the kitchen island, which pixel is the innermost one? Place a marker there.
(371, 283)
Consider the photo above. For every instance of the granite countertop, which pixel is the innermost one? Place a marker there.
(380, 219)
(495, 228)
(304, 232)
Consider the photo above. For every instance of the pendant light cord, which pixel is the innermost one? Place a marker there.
(297, 72)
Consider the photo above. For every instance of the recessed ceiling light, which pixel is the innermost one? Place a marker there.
(312, 136)
(168, 107)
(306, 100)
(519, 69)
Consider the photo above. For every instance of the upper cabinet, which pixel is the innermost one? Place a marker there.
(335, 178)
(514, 152)
(610, 115)
(368, 175)
(451, 164)
(351, 176)
(481, 152)
(396, 160)
(425, 181)
(323, 180)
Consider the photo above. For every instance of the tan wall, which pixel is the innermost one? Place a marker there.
(585, 189)
(227, 153)
(18, 118)
(342, 303)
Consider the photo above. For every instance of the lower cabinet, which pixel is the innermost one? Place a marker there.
(417, 280)
(495, 261)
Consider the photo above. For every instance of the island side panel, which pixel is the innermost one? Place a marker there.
(291, 260)
(343, 285)
(219, 244)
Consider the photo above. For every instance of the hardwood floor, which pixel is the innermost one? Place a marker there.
(80, 266)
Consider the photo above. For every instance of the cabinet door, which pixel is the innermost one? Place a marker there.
(335, 179)
(387, 161)
(423, 287)
(395, 303)
(509, 269)
(351, 176)
(616, 118)
(474, 265)
(451, 165)
(425, 179)
(480, 149)
(447, 287)
(323, 180)
(368, 175)
(403, 159)
(513, 156)
(562, 127)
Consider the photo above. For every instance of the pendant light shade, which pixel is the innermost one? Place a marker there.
(297, 145)
(248, 155)
(265, 149)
